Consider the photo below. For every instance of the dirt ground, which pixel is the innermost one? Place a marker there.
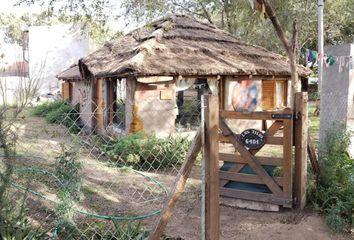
(243, 224)
(109, 191)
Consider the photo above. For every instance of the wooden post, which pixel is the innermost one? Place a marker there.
(301, 136)
(211, 151)
(178, 187)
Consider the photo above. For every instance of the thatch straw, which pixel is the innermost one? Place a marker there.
(180, 45)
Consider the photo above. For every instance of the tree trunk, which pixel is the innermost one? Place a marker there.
(290, 50)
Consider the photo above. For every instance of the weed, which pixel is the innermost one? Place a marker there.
(334, 195)
(140, 150)
(68, 172)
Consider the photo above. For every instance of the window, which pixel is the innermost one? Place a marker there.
(274, 94)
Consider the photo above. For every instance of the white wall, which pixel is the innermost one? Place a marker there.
(9, 89)
(52, 49)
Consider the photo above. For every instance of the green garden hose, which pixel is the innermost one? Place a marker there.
(107, 217)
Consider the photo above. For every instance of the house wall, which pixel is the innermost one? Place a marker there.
(52, 49)
(153, 108)
(10, 86)
(83, 93)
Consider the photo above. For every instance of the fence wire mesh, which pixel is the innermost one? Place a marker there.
(97, 170)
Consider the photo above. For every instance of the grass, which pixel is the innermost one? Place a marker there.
(314, 123)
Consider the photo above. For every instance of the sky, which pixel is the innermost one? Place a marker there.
(7, 6)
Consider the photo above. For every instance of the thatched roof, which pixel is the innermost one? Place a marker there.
(72, 73)
(180, 45)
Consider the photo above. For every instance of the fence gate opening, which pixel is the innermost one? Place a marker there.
(257, 165)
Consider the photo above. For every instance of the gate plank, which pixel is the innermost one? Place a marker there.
(258, 115)
(251, 160)
(255, 196)
(246, 178)
(301, 136)
(235, 158)
(271, 140)
(287, 160)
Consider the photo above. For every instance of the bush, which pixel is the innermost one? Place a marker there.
(43, 109)
(60, 112)
(145, 151)
(334, 194)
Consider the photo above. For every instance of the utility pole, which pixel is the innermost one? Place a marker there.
(320, 43)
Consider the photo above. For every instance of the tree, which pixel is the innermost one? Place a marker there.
(14, 27)
(234, 16)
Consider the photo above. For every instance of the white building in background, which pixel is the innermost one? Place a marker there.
(52, 49)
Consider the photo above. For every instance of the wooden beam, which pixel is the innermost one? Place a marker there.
(155, 79)
(287, 158)
(311, 150)
(301, 136)
(270, 140)
(236, 158)
(256, 196)
(261, 115)
(178, 188)
(251, 160)
(211, 151)
(246, 178)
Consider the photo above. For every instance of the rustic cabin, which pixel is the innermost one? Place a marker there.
(139, 82)
(144, 81)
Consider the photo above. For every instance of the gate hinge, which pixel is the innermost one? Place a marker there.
(296, 116)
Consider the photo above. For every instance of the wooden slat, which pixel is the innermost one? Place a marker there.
(211, 156)
(251, 160)
(301, 135)
(252, 115)
(287, 158)
(268, 140)
(178, 188)
(268, 95)
(313, 157)
(255, 196)
(246, 178)
(235, 158)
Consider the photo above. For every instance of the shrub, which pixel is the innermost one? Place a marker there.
(335, 195)
(60, 112)
(43, 109)
(145, 151)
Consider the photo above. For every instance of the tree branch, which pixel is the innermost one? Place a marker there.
(290, 50)
(190, 11)
(206, 12)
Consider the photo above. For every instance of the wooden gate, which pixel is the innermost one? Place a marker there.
(276, 189)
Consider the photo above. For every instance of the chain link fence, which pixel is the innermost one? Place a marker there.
(89, 171)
